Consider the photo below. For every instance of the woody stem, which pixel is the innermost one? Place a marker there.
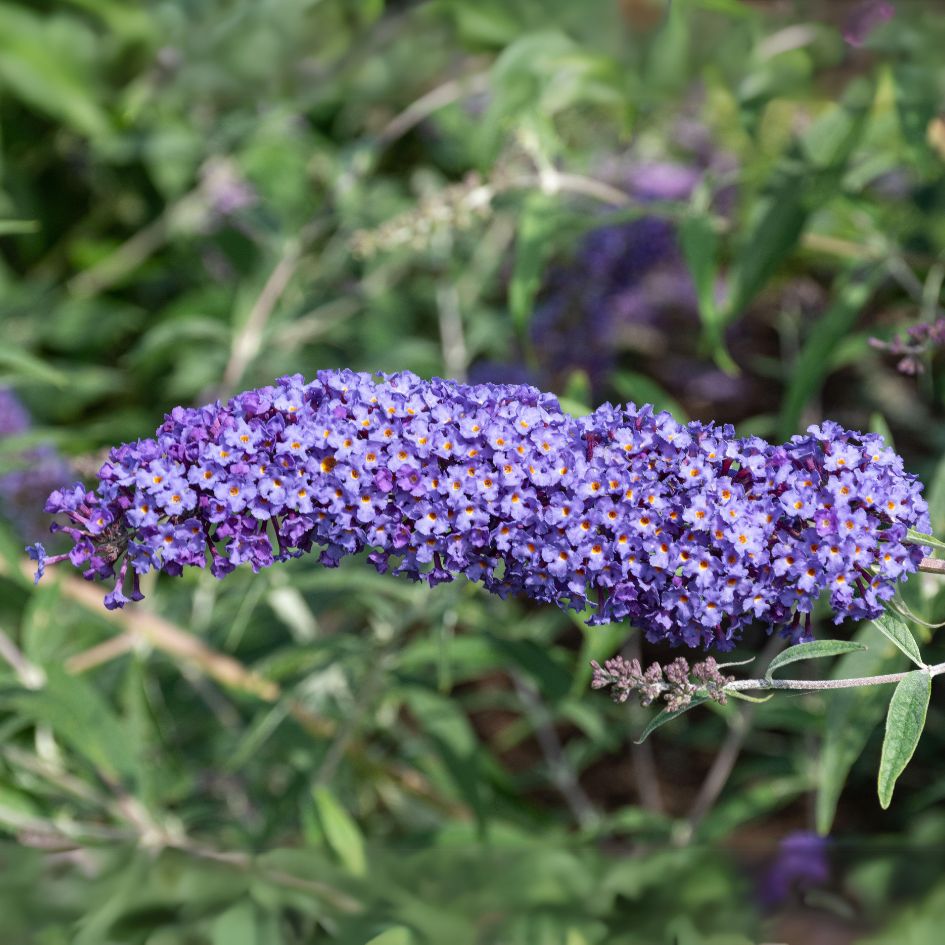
(741, 685)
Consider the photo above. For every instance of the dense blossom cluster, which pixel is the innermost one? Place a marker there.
(685, 531)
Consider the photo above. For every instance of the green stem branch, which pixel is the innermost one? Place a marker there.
(809, 685)
(932, 566)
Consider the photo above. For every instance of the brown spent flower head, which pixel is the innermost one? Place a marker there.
(677, 683)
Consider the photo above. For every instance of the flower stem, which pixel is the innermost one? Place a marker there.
(741, 685)
(932, 566)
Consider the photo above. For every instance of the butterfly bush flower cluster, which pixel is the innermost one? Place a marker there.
(683, 530)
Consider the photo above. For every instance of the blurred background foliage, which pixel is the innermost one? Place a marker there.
(710, 205)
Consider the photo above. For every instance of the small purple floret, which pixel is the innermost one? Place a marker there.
(684, 530)
(38, 554)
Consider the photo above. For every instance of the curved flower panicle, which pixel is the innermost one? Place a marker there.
(684, 530)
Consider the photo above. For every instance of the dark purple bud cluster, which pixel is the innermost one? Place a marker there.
(677, 682)
(685, 531)
(917, 341)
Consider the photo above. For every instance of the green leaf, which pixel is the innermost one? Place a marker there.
(918, 538)
(641, 389)
(102, 913)
(80, 716)
(780, 222)
(554, 680)
(22, 364)
(816, 649)
(813, 363)
(661, 718)
(668, 57)
(831, 138)
(396, 935)
(124, 19)
(341, 831)
(699, 243)
(753, 802)
(454, 745)
(534, 246)
(904, 723)
(11, 227)
(598, 644)
(545, 72)
(577, 397)
(897, 630)
(852, 715)
(236, 926)
(11, 552)
(807, 177)
(879, 424)
(47, 62)
(936, 498)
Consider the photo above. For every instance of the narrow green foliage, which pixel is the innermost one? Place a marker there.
(665, 715)
(851, 717)
(341, 830)
(815, 649)
(894, 628)
(904, 723)
(534, 244)
(396, 935)
(813, 365)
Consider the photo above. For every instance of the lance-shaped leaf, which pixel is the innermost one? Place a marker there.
(904, 723)
(815, 649)
(666, 715)
(539, 224)
(920, 538)
(852, 715)
(896, 629)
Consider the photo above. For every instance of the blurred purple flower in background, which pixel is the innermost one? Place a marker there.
(586, 306)
(802, 862)
(13, 416)
(918, 340)
(226, 191)
(866, 17)
(37, 470)
(625, 299)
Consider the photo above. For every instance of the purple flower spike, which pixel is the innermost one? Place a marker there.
(684, 530)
